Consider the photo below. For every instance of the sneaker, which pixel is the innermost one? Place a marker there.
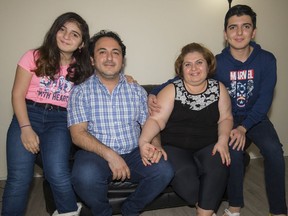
(74, 213)
(228, 213)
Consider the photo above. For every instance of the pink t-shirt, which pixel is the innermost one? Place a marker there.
(43, 89)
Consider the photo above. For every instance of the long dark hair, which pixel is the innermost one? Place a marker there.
(47, 56)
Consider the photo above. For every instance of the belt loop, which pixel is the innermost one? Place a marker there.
(50, 107)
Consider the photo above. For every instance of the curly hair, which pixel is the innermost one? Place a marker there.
(47, 56)
(195, 47)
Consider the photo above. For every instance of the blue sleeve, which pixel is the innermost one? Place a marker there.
(262, 105)
(144, 106)
(156, 90)
(77, 110)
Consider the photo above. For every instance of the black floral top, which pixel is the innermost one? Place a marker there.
(193, 123)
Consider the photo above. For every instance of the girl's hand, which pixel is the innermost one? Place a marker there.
(30, 140)
(130, 79)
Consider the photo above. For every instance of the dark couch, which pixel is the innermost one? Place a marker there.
(118, 191)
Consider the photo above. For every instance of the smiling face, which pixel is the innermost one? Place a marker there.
(239, 32)
(108, 58)
(195, 68)
(69, 38)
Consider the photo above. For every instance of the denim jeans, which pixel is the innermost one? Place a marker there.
(264, 136)
(55, 145)
(91, 176)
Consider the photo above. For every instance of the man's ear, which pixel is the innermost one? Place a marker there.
(92, 61)
(123, 63)
(254, 33)
(225, 35)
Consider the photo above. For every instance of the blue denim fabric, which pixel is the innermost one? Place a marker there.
(91, 176)
(264, 136)
(55, 145)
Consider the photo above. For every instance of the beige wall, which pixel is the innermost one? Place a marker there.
(153, 30)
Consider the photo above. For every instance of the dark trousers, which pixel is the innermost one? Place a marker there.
(199, 177)
(264, 136)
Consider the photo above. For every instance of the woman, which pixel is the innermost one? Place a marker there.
(196, 120)
(43, 81)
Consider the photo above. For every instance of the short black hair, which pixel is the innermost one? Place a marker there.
(106, 33)
(240, 10)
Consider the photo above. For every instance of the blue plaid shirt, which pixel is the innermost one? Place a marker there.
(114, 119)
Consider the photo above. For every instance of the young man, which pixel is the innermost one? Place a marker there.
(105, 115)
(249, 74)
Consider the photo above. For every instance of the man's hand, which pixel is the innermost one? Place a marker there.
(238, 138)
(118, 167)
(152, 104)
(82, 138)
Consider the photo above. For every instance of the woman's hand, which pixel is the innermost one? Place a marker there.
(151, 154)
(30, 140)
(223, 151)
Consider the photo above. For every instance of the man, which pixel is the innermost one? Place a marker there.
(104, 114)
(249, 74)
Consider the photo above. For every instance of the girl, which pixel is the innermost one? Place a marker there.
(43, 81)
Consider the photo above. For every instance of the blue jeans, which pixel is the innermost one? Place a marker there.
(91, 176)
(55, 145)
(264, 136)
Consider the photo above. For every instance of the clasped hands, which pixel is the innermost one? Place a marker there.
(151, 154)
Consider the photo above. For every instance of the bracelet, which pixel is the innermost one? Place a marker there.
(25, 126)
